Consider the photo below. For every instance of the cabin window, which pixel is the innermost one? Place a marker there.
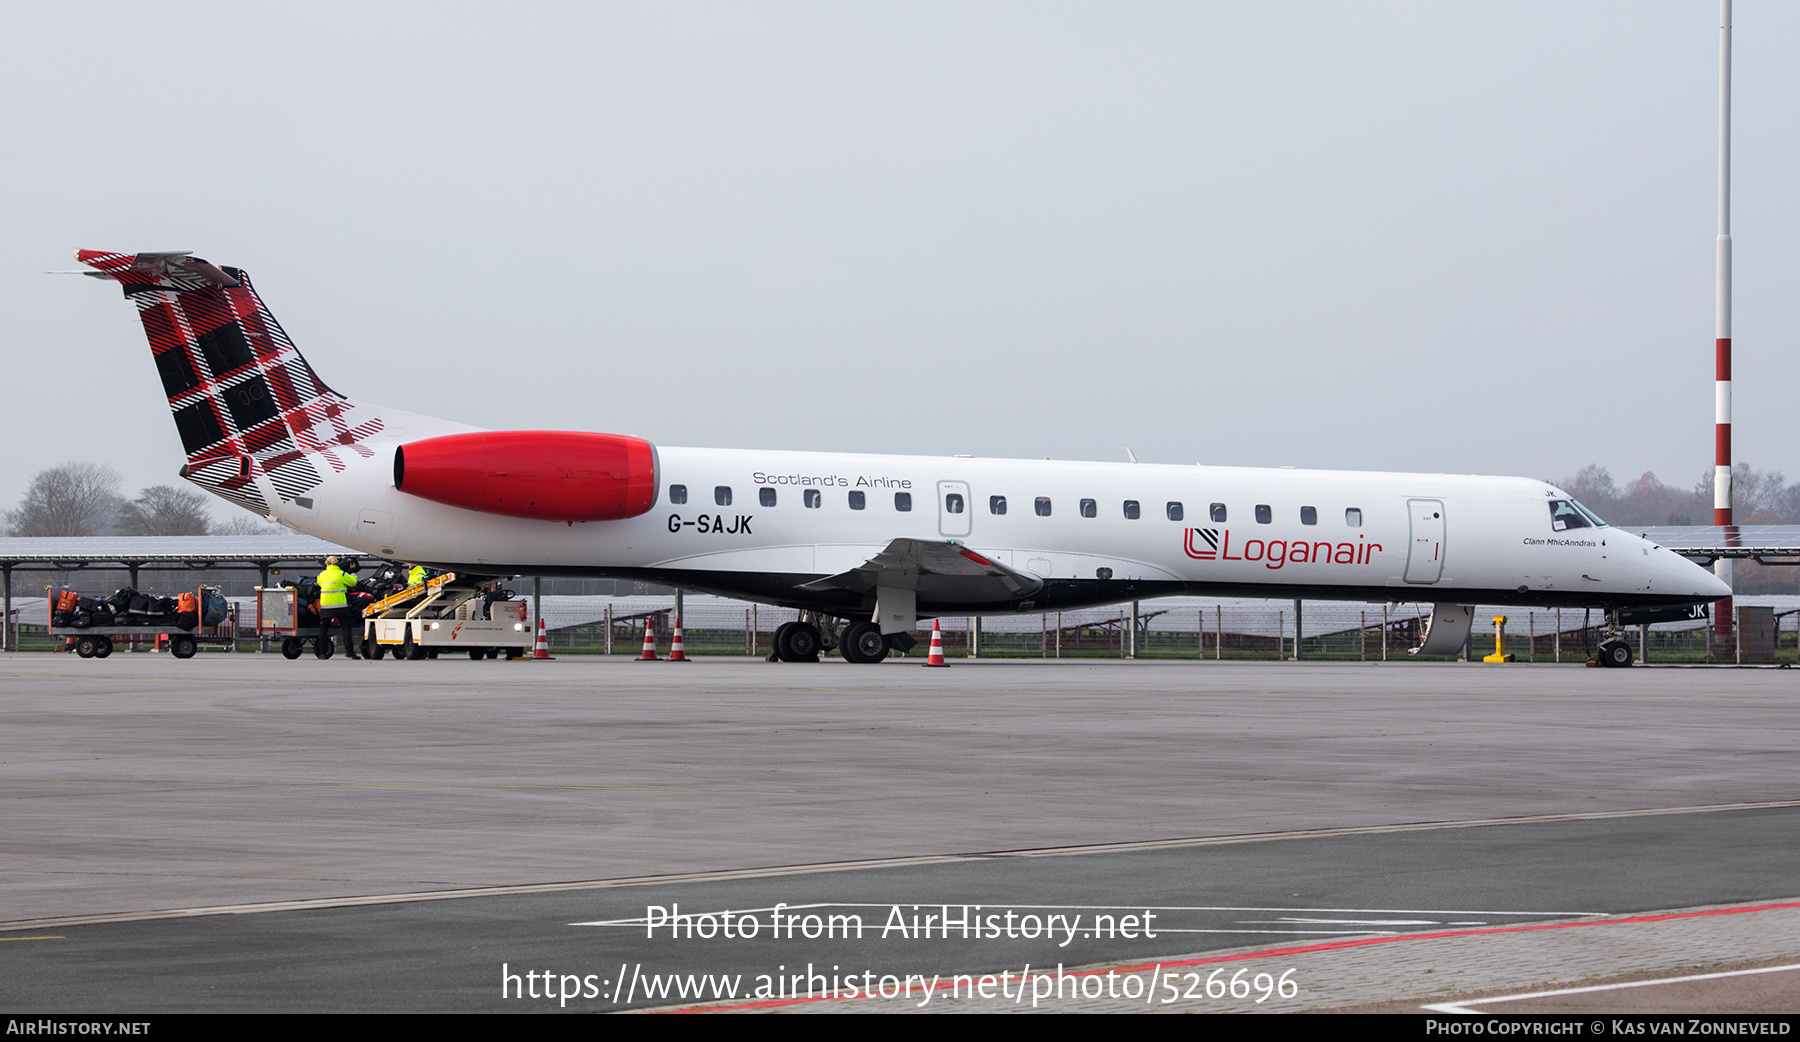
(1043, 506)
(1175, 510)
(678, 494)
(1264, 514)
(996, 504)
(903, 501)
(1353, 517)
(766, 496)
(812, 497)
(856, 501)
(953, 503)
(1131, 510)
(722, 495)
(1309, 515)
(1089, 508)
(1218, 512)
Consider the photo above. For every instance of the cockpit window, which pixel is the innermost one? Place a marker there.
(1566, 514)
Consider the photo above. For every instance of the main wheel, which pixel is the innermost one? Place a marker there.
(781, 633)
(477, 654)
(864, 643)
(85, 647)
(183, 647)
(291, 647)
(1615, 653)
(801, 643)
(102, 646)
(493, 653)
(377, 651)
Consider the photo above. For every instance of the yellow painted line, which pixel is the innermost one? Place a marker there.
(46, 937)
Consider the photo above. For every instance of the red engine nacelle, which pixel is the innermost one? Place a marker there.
(547, 475)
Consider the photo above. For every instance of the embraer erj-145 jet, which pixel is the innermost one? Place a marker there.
(863, 545)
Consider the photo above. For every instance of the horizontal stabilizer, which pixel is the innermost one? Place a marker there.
(940, 572)
(169, 271)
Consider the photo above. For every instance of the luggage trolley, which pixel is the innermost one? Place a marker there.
(97, 640)
(279, 613)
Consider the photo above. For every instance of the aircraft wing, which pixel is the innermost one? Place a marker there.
(939, 571)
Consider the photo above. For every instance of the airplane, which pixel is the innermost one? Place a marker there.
(863, 545)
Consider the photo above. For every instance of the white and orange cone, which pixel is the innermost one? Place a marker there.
(649, 654)
(936, 658)
(676, 654)
(543, 641)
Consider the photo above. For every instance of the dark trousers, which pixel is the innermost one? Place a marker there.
(346, 617)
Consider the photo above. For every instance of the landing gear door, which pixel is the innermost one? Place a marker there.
(954, 515)
(1425, 555)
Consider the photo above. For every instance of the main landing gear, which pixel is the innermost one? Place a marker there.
(864, 643)
(859, 642)
(797, 642)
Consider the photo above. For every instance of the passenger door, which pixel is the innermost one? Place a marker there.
(1425, 555)
(954, 515)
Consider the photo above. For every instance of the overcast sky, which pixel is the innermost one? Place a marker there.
(1472, 237)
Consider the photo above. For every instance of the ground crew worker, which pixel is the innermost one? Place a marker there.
(334, 607)
(416, 577)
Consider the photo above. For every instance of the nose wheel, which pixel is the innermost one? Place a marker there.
(1614, 653)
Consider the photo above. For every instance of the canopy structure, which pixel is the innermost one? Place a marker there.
(137, 553)
(1764, 544)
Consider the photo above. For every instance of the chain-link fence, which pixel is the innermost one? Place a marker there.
(1169, 628)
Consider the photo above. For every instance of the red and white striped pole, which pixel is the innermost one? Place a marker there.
(1722, 620)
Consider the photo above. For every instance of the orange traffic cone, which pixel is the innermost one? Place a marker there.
(676, 654)
(936, 658)
(543, 641)
(649, 654)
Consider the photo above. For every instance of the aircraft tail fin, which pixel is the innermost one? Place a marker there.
(245, 402)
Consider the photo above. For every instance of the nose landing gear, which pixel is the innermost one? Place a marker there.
(1613, 651)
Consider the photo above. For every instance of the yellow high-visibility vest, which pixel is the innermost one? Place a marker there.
(333, 582)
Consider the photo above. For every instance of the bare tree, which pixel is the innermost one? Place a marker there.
(75, 499)
(246, 524)
(164, 510)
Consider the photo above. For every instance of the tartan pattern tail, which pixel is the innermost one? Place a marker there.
(245, 402)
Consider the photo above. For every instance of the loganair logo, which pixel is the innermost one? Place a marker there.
(1207, 548)
(1214, 544)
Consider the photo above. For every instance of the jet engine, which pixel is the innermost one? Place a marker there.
(544, 475)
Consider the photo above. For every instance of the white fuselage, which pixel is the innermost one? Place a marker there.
(1283, 533)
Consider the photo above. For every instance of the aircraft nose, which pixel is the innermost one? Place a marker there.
(1712, 585)
(1697, 579)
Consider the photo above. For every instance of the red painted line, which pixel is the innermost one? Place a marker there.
(1722, 358)
(1306, 949)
